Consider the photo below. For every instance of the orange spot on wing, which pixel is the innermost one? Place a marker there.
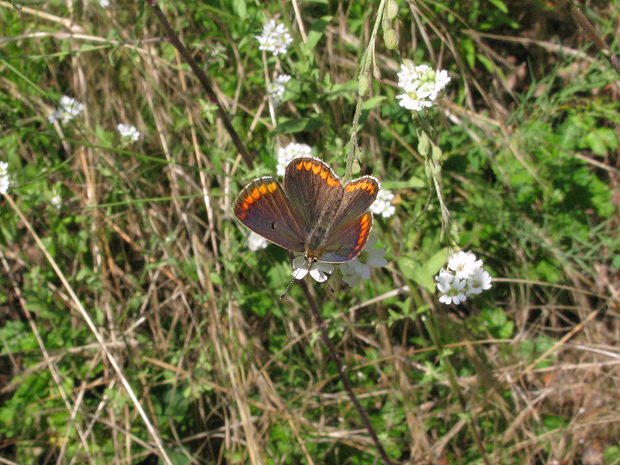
(365, 185)
(263, 189)
(331, 182)
(272, 187)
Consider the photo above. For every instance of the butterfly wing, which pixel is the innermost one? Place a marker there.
(347, 241)
(352, 223)
(357, 198)
(262, 207)
(312, 189)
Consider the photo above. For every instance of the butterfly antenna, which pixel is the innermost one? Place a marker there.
(287, 288)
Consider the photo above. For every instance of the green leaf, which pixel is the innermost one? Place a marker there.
(373, 102)
(423, 273)
(240, 8)
(298, 125)
(316, 32)
(601, 140)
(499, 5)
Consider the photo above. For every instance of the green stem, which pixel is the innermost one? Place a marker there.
(367, 58)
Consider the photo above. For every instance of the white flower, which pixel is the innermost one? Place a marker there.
(441, 80)
(410, 73)
(57, 201)
(444, 279)
(479, 281)
(349, 275)
(383, 204)
(464, 277)
(275, 38)
(4, 177)
(359, 267)
(256, 242)
(276, 88)
(128, 132)
(318, 270)
(104, 3)
(288, 153)
(69, 109)
(415, 97)
(453, 291)
(283, 79)
(464, 264)
(422, 85)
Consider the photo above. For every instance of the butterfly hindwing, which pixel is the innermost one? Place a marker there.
(347, 240)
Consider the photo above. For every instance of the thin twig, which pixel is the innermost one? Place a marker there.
(204, 81)
(343, 377)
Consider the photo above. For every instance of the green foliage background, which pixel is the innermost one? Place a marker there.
(225, 370)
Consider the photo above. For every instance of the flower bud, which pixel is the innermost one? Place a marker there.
(363, 85)
(391, 10)
(390, 38)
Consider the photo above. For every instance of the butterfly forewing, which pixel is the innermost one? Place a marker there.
(313, 190)
(263, 208)
(357, 197)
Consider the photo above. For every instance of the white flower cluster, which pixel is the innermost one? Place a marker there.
(352, 270)
(275, 38)
(276, 89)
(383, 204)
(69, 108)
(256, 242)
(422, 86)
(286, 154)
(104, 3)
(464, 277)
(4, 177)
(128, 132)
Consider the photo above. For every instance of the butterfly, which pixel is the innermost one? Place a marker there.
(313, 213)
